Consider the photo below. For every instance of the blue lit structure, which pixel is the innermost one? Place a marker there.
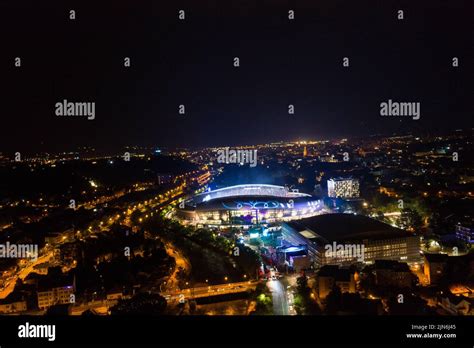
(248, 204)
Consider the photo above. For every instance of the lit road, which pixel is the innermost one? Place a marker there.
(170, 197)
(211, 290)
(23, 273)
(181, 262)
(280, 301)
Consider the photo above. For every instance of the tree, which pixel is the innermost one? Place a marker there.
(142, 303)
(334, 300)
(410, 220)
(263, 299)
(302, 284)
(304, 303)
(408, 305)
(135, 216)
(58, 310)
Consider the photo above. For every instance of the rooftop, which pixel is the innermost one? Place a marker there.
(436, 257)
(345, 227)
(333, 271)
(391, 265)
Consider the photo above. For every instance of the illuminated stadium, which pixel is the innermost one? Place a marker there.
(243, 205)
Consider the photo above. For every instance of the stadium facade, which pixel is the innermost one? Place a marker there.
(244, 205)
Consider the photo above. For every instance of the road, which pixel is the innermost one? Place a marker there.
(282, 289)
(181, 262)
(23, 273)
(211, 290)
(280, 300)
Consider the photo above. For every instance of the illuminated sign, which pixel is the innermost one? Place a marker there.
(252, 205)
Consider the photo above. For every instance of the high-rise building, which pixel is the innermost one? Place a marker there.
(343, 188)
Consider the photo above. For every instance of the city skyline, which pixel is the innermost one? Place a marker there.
(247, 167)
(313, 228)
(158, 148)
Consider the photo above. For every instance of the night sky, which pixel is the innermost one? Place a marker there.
(190, 62)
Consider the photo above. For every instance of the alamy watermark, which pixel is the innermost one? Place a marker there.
(66, 108)
(20, 251)
(237, 156)
(393, 108)
(345, 251)
(37, 331)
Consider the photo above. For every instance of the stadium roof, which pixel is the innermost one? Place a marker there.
(346, 227)
(249, 190)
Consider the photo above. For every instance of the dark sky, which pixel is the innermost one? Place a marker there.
(191, 62)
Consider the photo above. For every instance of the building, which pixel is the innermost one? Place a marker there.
(245, 205)
(449, 270)
(69, 252)
(343, 188)
(164, 179)
(456, 305)
(114, 295)
(374, 239)
(296, 258)
(13, 303)
(300, 263)
(53, 291)
(330, 276)
(53, 238)
(390, 273)
(435, 267)
(302, 239)
(59, 236)
(465, 232)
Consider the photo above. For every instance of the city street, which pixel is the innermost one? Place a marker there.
(181, 263)
(23, 273)
(280, 298)
(211, 290)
